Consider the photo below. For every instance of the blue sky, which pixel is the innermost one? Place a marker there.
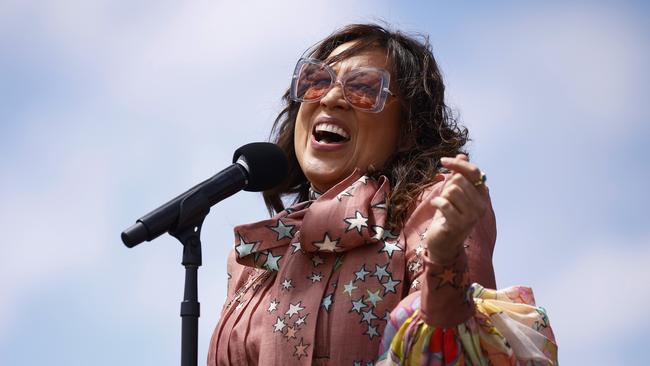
(109, 108)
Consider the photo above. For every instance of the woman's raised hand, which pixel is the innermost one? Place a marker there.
(463, 200)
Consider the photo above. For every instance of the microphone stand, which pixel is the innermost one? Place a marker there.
(188, 232)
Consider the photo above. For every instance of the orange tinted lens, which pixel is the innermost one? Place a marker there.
(362, 89)
(313, 82)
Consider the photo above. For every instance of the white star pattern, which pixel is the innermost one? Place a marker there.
(286, 284)
(363, 179)
(373, 297)
(386, 316)
(419, 250)
(316, 277)
(415, 284)
(294, 309)
(372, 332)
(272, 261)
(415, 266)
(390, 285)
(357, 222)
(284, 231)
(279, 325)
(381, 205)
(349, 287)
(390, 248)
(361, 274)
(244, 248)
(273, 306)
(380, 272)
(327, 245)
(368, 316)
(343, 194)
(296, 247)
(357, 305)
(327, 302)
(301, 320)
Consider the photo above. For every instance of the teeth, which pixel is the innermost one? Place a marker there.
(328, 127)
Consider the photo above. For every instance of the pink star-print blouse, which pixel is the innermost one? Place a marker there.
(315, 285)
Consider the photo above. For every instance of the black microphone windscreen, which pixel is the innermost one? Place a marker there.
(267, 165)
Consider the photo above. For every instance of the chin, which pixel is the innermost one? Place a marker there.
(323, 177)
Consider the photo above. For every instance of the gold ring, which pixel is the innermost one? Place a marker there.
(481, 180)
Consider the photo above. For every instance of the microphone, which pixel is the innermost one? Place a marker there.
(256, 167)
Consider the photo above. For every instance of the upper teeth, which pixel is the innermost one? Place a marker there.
(328, 127)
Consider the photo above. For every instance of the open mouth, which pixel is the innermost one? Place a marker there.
(327, 133)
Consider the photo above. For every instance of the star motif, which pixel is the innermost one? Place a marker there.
(327, 245)
(373, 297)
(415, 266)
(284, 231)
(390, 248)
(415, 284)
(357, 363)
(349, 287)
(345, 193)
(273, 306)
(294, 309)
(296, 247)
(301, 320)
(327, 302)
(244, 248)
(419, 250)
(279, 325)
(286, 284)
(372, 331)
(301, 349)
(357, 222)
(380, 205)
(317, 260)
(390, 286)
(357, 305)
(370, 363)
(363, 179)
(361, 274)
(386, 316)
(447, 276)
(315, 277)
(368, 316)
(380, 272)
(272, 261)
(382, 234)
(291, 332)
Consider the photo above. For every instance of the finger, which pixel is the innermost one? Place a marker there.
(462, 166)
(449, 211)
(455, 192)
(476, 197)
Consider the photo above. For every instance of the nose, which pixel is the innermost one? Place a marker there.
(334, 97)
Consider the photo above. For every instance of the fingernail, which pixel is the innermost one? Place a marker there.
(444, 160)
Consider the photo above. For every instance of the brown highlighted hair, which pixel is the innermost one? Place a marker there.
(429, 129)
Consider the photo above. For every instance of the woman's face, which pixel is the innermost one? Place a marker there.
(370, 138)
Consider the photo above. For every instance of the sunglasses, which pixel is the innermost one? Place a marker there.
(364, 88)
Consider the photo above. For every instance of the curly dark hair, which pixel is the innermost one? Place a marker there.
(429, 129)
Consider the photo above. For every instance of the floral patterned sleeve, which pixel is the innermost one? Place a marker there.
(450, 317)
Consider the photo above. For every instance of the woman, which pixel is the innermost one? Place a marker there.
(389, 216)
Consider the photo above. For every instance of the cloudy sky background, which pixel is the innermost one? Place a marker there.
(109, 108)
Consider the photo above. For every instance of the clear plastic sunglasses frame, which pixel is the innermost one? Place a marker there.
(380, 99)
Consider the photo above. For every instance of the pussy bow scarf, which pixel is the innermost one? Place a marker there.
(327, 261)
